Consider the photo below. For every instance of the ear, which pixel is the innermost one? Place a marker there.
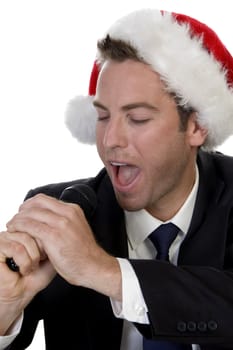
(196, 133)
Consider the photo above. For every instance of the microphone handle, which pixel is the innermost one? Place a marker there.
(12, 264)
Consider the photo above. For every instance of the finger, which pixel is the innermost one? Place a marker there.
(38, 230)
(34, 247)
(41, 277)
(54, 205)
(48, 210)
(33, 244)
(39, 200)
(29, 215)
(43, 223)
(23, 249)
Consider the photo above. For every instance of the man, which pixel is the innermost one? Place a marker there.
(161, 101)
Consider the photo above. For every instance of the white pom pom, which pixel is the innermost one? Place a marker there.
(80, 119)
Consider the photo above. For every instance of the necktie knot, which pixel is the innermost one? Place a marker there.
(162, 238)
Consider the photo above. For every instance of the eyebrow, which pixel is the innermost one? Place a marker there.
(129, 106)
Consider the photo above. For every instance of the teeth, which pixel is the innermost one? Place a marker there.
(118, 164)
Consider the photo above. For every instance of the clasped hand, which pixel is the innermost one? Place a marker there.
(49, 236)
(47, 228)
(47, 231)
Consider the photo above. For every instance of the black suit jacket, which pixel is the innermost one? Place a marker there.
(192, 302)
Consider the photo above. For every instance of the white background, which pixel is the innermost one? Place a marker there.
(47, 51)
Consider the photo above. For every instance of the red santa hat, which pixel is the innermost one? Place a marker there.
(191, 60)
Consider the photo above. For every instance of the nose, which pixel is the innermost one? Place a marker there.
(115, 134)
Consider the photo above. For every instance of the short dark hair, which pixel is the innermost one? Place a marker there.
(117, 50)
(120, 50)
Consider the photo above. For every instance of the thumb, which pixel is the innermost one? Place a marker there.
(42, 276)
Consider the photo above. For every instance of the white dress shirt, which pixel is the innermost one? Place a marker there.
(12, 333)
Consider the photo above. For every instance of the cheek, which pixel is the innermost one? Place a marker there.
(146, 143)
(160, 152)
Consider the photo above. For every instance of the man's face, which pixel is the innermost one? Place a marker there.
(151, 162)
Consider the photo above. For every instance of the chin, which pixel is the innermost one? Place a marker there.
(129, 204)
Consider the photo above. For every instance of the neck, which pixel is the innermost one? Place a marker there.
(168, 205)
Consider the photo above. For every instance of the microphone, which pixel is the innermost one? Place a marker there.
(83, 195)
(80, 194)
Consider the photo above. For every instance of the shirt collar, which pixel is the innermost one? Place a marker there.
(139, 224)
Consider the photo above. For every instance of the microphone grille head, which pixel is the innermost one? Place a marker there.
(82, 195)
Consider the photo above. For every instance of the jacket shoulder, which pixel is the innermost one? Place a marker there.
(216, 173)
(223, 165)
(55, 189)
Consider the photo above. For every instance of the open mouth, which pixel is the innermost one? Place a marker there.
(124, 174)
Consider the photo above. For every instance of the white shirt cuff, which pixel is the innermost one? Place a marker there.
(11, 333)
(133, 307)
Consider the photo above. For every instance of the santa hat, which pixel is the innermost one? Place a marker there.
(189, 57)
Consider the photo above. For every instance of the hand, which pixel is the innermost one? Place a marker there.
(68, 241)
(17, 289)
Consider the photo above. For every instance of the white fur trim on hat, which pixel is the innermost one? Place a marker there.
(81, 119)
(185, 66)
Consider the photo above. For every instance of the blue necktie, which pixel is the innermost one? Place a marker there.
(162, 238)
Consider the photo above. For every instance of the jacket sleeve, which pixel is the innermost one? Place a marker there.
(189, 303)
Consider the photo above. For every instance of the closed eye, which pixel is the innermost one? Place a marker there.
(139, 121)
(102, 114)
(138, 118)
(102, 118)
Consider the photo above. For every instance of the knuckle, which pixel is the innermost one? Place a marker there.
(24, 237)
(72, 211)
(63, 221)
(17, 247)
(75, 210)
(36, 260)
(38, 197)
(39, 230)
